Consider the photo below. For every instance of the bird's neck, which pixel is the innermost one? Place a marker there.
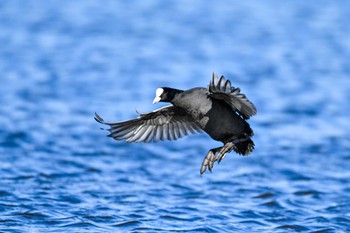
(173, 93)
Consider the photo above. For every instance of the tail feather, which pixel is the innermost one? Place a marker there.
(244, 147)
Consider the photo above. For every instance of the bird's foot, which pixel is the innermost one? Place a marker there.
(209, 160)
(216, 154)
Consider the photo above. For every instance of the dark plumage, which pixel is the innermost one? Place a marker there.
(220, 110)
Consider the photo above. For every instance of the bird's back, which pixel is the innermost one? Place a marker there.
(215, 117)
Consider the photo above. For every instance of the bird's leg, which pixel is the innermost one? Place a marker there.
(217, 154)
(227, 148)
(209, 160)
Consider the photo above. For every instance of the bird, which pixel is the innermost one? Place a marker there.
(220, 110)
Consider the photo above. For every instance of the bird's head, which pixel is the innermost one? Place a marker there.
(165, 94)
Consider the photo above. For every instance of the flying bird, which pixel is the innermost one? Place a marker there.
(220, 110)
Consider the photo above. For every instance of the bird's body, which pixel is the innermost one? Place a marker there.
(208, 113)
(220, 110)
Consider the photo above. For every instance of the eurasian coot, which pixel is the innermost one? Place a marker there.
(220, 110)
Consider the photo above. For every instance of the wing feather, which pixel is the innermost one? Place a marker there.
(167, 123)
(221, 89)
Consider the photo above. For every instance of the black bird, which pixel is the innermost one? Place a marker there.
(220, 110)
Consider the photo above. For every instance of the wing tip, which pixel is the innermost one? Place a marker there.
(99, 119)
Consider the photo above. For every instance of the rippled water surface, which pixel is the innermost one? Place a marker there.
(60, 61)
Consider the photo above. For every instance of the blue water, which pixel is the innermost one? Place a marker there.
(61, 61)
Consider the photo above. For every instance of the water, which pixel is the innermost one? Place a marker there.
(62, 61)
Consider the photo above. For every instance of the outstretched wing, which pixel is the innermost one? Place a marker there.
(167, 123)
(221, 89)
